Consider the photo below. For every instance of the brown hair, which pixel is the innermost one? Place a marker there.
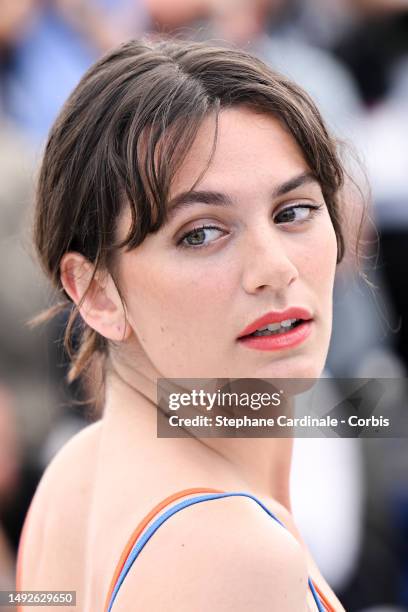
(125, 130)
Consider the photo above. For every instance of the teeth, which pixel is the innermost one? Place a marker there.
(288, 322)
(276, 326)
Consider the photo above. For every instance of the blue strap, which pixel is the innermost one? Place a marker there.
(145, 537)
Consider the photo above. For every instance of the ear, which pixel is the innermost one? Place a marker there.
(98, 298)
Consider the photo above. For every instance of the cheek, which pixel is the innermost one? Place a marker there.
(319, 264)
(176, 311)
(179, 300)
(321, 273)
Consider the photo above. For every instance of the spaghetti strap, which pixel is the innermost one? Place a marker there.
(141, 526)
(143, 533)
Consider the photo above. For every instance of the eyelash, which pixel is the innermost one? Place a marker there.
(312, 208)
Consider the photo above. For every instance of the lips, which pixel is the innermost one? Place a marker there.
(276, 317)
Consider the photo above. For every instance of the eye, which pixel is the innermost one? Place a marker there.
(297, 213)
(195, 238)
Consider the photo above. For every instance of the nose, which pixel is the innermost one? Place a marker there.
(267, 262)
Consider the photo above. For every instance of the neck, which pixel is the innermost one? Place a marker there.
(262, 465)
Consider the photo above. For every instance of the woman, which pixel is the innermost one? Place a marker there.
(186, 191)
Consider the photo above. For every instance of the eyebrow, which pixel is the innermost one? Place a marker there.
(188, 198)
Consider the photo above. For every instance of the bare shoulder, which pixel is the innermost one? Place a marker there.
(225, 554)
(67, 470)
(59, 501)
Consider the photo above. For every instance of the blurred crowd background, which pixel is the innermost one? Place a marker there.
(352, 57)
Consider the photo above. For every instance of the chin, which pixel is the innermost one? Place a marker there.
(296, 374)
(296, 366)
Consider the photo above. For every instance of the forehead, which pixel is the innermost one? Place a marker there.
(253, 154)
(249, 147)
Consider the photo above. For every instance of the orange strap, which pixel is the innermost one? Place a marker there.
(143, 524)
(324, 600)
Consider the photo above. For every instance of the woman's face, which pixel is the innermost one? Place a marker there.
(271, 246)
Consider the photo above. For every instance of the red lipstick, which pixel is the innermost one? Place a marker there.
(284, 339)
